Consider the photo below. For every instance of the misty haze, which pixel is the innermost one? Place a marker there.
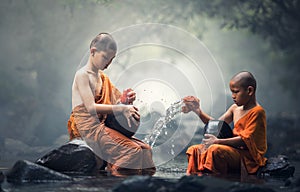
(166, 50)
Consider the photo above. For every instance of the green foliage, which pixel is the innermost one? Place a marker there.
(276, 20)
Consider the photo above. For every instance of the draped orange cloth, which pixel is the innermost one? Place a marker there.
(120, 152)
(222, 159)
(109, 94)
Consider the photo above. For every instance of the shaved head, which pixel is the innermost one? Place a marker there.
(245, 79)
(104, 42)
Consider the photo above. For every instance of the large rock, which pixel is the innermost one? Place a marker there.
(75, 157)
(190, 183)
(278, 166)
(27, 172)
(143, 183)
(249, 188)
(186, 183)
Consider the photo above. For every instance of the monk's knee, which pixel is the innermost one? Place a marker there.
(216, 150)
(190, 150)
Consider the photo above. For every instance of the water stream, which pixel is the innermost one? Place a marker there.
(161, 123)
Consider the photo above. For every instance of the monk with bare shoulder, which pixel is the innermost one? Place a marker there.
(94, 98)
(248, 145)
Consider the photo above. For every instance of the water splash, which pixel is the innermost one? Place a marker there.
(161, 123)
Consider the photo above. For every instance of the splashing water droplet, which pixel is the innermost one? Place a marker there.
(172, 152)
(162, 122)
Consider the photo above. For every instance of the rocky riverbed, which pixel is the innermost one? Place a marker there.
(283, 138)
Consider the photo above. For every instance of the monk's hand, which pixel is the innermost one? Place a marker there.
(132, 115)
(128, 96)
(209, 139)
(191, 103)
(131, 95)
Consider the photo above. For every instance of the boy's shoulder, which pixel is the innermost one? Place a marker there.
(259, 110)
(235, 107)
(82, 72)
(255, 112)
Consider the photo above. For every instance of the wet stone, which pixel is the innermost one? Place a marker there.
(186, 183)
(190, 183)
(28, 172)
(278, 166)
(251, 189)
(74, 158)
(144, 183)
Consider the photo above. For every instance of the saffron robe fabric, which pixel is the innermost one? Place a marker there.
(222, 159)
(123, 155)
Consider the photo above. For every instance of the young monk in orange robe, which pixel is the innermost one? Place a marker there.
(249, 144)
(93, 97)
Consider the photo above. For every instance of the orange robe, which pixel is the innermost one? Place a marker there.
(222, 159)
(124, 155)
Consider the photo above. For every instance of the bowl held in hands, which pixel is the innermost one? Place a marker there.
(119, 123)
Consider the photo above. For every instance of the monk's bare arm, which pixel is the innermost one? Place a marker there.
(192, 103)
(236, 142)
(228, 115)
(203, 116)
(83, 86)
